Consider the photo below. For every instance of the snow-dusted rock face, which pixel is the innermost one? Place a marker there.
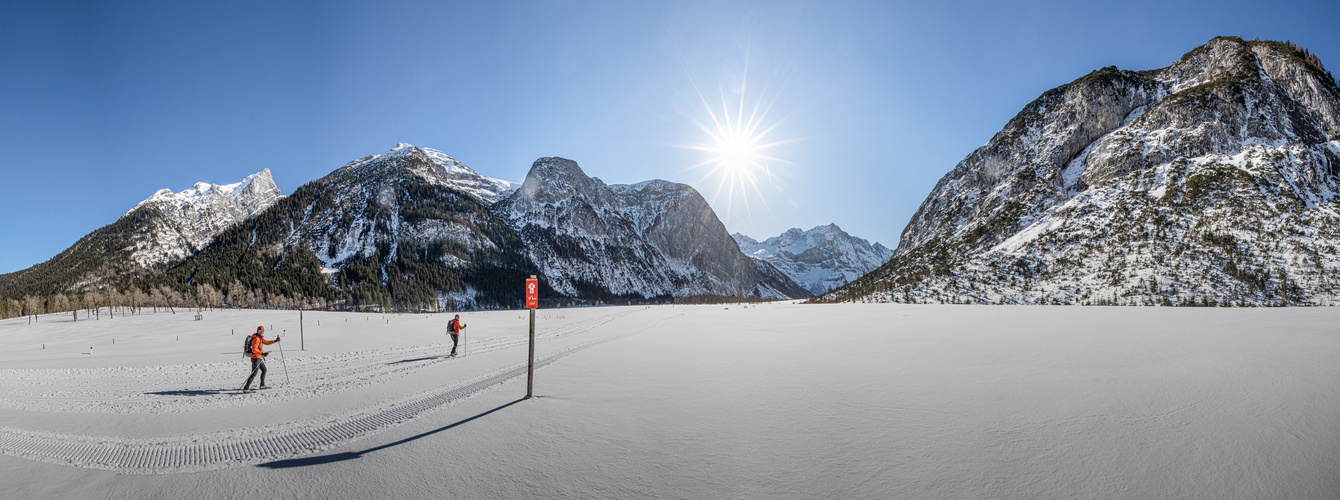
(820, 259)
(442, 169)
(406, 196)
(193, 217)
(1212, 180)
(651, 239)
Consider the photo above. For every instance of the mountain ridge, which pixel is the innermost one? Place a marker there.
(413, 228)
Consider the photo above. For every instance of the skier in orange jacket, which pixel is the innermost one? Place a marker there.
(454, 327)
(258, 358)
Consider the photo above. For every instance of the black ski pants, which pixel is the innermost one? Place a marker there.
(257, 365)
(453, 342)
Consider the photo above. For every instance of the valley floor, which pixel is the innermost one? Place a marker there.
(775, 400)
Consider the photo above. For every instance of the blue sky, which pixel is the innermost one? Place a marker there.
(102, 104)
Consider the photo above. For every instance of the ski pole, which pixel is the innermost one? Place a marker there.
(283, 362)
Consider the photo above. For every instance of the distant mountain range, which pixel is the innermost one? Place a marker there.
(821, 259)
(414, 228)
(1213, 181)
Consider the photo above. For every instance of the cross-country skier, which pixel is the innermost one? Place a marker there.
(454, 327)
(258, 358)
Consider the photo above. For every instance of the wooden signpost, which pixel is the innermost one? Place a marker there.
(532, 303)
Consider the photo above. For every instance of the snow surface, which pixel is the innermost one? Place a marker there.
(776, 400)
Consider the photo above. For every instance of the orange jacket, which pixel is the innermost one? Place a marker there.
(256, 346)
(458, 326)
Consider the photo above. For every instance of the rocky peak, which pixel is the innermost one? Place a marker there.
(654, 238)
(427, 164)
(1232, 144)
(554, 180)
(1111, 122)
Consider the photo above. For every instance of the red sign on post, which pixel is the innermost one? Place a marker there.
(532, 293)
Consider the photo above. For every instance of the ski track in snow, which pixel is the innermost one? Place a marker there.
(234, 448)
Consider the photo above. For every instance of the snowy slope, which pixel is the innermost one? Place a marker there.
(1211, 181)
(821, 259)
(894, 401)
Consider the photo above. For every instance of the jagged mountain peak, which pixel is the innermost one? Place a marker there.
(259, 185)
(188, 220)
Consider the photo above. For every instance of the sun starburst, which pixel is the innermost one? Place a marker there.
(738, 143)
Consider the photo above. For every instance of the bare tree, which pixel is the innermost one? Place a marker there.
(30, 307)
(209, 296)
(156, 299)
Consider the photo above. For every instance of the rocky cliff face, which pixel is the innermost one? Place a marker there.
(652, 239)
(192, 218)
(820, 259)
(1212, 180)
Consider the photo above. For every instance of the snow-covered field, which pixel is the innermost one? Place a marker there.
(770, 401)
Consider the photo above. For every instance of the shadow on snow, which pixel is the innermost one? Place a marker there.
(198, 392)
(340, 457)
(413, 360)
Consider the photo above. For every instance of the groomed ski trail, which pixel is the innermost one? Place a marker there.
(225, 449)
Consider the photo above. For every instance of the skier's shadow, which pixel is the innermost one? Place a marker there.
(413, 360)
(201, 392)
(350, 455)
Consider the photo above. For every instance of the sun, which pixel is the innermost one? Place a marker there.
(738, 144)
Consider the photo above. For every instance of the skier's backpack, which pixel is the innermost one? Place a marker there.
(246, 348)
(451, 327)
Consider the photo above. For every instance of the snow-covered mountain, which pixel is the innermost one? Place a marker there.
(821, 259)
(1210, 181)
(392, 199)
(156, 234)
(651, 239)
(409, 227)
(191, 218)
